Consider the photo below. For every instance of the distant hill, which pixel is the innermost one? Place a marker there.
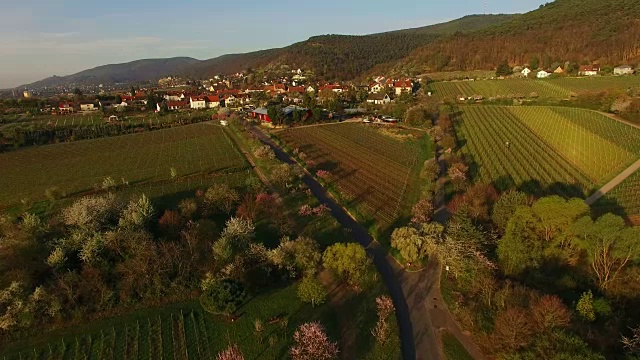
(334, 57)
(131, 72)
(331, 57)
(605, 31)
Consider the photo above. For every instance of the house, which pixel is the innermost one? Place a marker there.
(589, 70)
(525, 72)
(253, 89)
(332, 87)
(375, 88)
(559, 70)
(261, 114)
(403, 87)
(378, 99)
(211, 101)
(296, 90)
(66, 107)
(177, 105)
(88, 106)
(623, 70)
(310, 89)
(378, 79)
(198, 102)
(174, 96)
(276, 88)
(542, 74)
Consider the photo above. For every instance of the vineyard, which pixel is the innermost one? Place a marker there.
(182, 331)
(374, 173)
(545, 150)
(624, 199)
(198, 153)
(560, 88)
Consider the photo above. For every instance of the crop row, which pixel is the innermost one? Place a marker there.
(137, 159)
(507, 153)
(559, 88)
(371, 171)
(181, 335)
(625, 196)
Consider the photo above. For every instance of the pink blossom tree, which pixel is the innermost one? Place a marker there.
(230, 353)
(311, 343)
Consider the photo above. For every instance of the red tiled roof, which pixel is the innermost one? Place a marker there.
(402, 84)
(198, 98)
(589, 68)
(298, 89)
(64, 105)
(211, 98)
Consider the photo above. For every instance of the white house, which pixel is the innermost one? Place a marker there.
(589, 70)
(623, 70)
(403, 87)
(376, 88)
(198, 102)
(525, 72)
(88, 106)
(213, 101)
(542, 74)
(310, 89)
(378, 99)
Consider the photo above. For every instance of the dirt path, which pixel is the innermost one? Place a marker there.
(613, 183)
(338, 296)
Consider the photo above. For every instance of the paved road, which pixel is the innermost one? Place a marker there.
(417, 337)
(613, 183)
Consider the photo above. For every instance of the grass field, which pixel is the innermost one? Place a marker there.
(197, 152)
(374, 173)
(560, 88)
(624, 199)
(567, 151)
(182, 331)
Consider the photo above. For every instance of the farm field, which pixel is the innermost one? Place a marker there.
(559, 88)
(624, 198)
(182, 331)
(197, 153)
(551, 150)
(453, 75)
(374, 173)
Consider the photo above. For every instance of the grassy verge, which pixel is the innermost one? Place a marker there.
(453, 349)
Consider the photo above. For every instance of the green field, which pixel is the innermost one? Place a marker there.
(182, 331)
(455, 75)
(560, 88)
(624, 198)
(570, 151)
(197, 152)
(375, 174)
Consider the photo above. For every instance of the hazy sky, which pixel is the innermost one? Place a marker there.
(40, 38)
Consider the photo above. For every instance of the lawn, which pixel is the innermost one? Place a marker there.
(550, 150)
(373, 171)
(198, 153)
(560, 88)
(183, 331)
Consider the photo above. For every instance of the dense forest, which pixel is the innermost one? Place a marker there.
(566, 30)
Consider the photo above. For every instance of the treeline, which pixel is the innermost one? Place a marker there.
(29, 135)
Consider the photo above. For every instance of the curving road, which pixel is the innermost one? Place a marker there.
(409, 291)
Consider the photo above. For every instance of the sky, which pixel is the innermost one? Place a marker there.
(41, 38)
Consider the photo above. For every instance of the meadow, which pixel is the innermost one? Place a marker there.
(374, 173)
(558, 88)
(197, 153)
(545, 149)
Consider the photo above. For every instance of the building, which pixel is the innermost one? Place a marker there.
(310, 89)
(559, 70)
(174, 96)
(403, 87)
(212, 101)
(542, 74)
(65, 107)
(378, 99)
(27, 94)
(332, 87)
(375, 88)
(261, 114)
(589, 70)
(176, 105)
(525, 72)
(88, 106)
(198, 102)
(623, 70)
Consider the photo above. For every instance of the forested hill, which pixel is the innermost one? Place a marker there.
(135, 71)
(341, 57)
(605, 31)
